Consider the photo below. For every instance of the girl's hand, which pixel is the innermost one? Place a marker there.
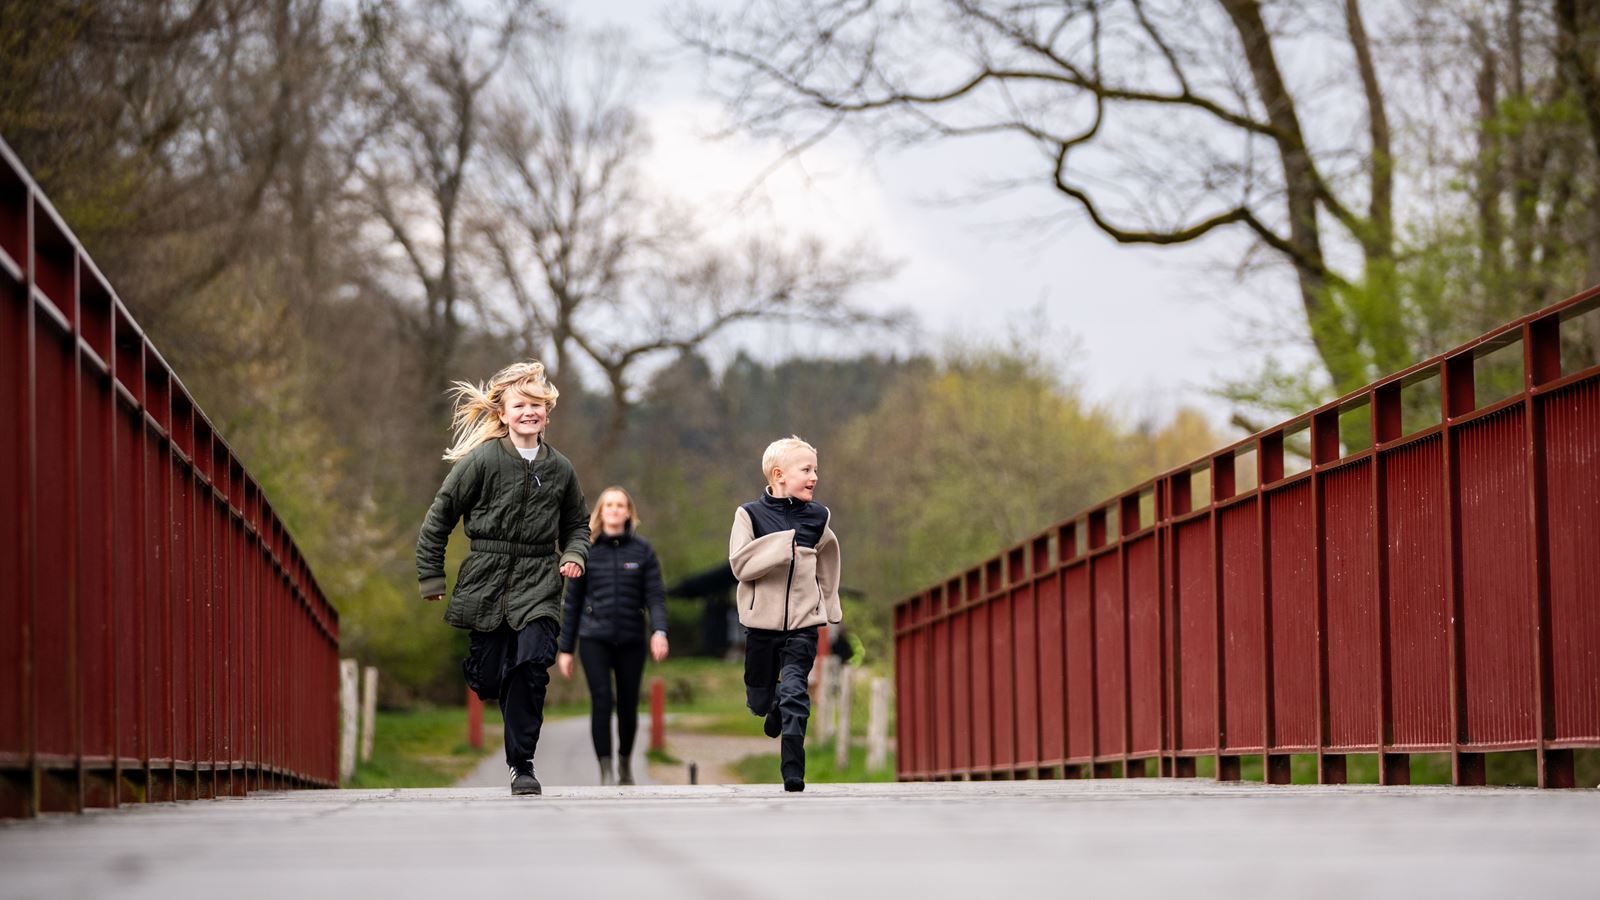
(435, 598)
(571, 570)
(564, 663)
(658, 647)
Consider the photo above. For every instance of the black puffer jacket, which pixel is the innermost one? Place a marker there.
(608, 602)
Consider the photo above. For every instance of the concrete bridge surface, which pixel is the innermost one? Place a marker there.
(1122, 838)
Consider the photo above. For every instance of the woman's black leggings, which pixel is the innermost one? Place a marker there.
(600, 660)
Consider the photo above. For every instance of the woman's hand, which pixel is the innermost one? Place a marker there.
(571, 570)
(658, 646)
(564, 665)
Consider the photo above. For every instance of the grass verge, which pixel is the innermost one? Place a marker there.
(762, 768)
(421, 748)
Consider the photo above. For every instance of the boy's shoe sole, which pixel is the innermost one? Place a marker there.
(773, 725)
(794, 785)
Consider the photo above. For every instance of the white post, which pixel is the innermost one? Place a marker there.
(347, 718)
(878, 726)
(828, 677)
(841, 741)
(369, 710)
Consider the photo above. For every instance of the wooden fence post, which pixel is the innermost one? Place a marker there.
(878, 726)
(348, 718)
(841, 740)
(369, 710)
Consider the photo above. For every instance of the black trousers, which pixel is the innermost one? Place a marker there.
(777, 665)
(603, 661)
(513, 667)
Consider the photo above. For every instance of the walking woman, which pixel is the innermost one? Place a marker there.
(604, 617)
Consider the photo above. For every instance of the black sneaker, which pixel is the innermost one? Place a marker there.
(794, 785)
(773, 725)
(523, 783)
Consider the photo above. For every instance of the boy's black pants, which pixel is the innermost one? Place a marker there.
(777, 665)
(513, 666)
(602, 659)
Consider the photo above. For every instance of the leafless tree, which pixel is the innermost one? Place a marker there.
(599, 264)
(1161, 121)
(434, 76)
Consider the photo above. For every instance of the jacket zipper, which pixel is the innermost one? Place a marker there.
(788, 585)
(616, 572)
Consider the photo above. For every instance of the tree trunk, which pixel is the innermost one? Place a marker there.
(1330, 333)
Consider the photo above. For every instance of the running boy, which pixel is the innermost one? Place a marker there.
(787, 562)
(523, 508)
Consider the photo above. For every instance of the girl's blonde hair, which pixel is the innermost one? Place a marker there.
(477, 406)
(594, 515)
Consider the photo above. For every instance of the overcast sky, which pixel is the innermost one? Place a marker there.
(1144, 330)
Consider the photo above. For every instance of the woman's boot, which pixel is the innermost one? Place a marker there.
(624, 770)
(605, 771)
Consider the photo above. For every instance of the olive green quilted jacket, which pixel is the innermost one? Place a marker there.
(524, 518)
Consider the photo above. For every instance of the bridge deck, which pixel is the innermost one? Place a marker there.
(963, 840)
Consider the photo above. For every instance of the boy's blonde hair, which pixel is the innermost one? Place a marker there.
(778, 451)
(477, 406)
(594, 514)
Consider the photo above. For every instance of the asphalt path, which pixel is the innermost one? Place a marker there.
(1123, 838)
(565, 757)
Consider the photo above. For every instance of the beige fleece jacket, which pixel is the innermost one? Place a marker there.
(783, 586)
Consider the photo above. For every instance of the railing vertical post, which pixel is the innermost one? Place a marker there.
(1096, 523)
(1275, 767)
(1269, 468)
(1127, 523)
(1223, 485)
(30, 514)
(1325, 448)
(1180, 501)
(1387, 425)
(1541, 347)
(1458, 398)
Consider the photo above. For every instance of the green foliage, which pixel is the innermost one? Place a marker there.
(959, 461)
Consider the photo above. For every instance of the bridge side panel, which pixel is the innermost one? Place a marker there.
(1024, 619)
(1110, 622)
(16, 742)
(1196, 636)
(1144, 646)
(1293, 603)
(1419, 611)
(961, 691)
(1571, 419)
(928, 708)
(1498, 616)
(56, 700)
(96, 615)
(1052, 674)
(1003, 646)
(1352, 608)
(1079, 663)
(128, 597)
(1244, 662)
(944, 724)
(982, 699)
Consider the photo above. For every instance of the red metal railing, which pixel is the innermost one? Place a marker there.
(1414, 568)
(160, 636)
